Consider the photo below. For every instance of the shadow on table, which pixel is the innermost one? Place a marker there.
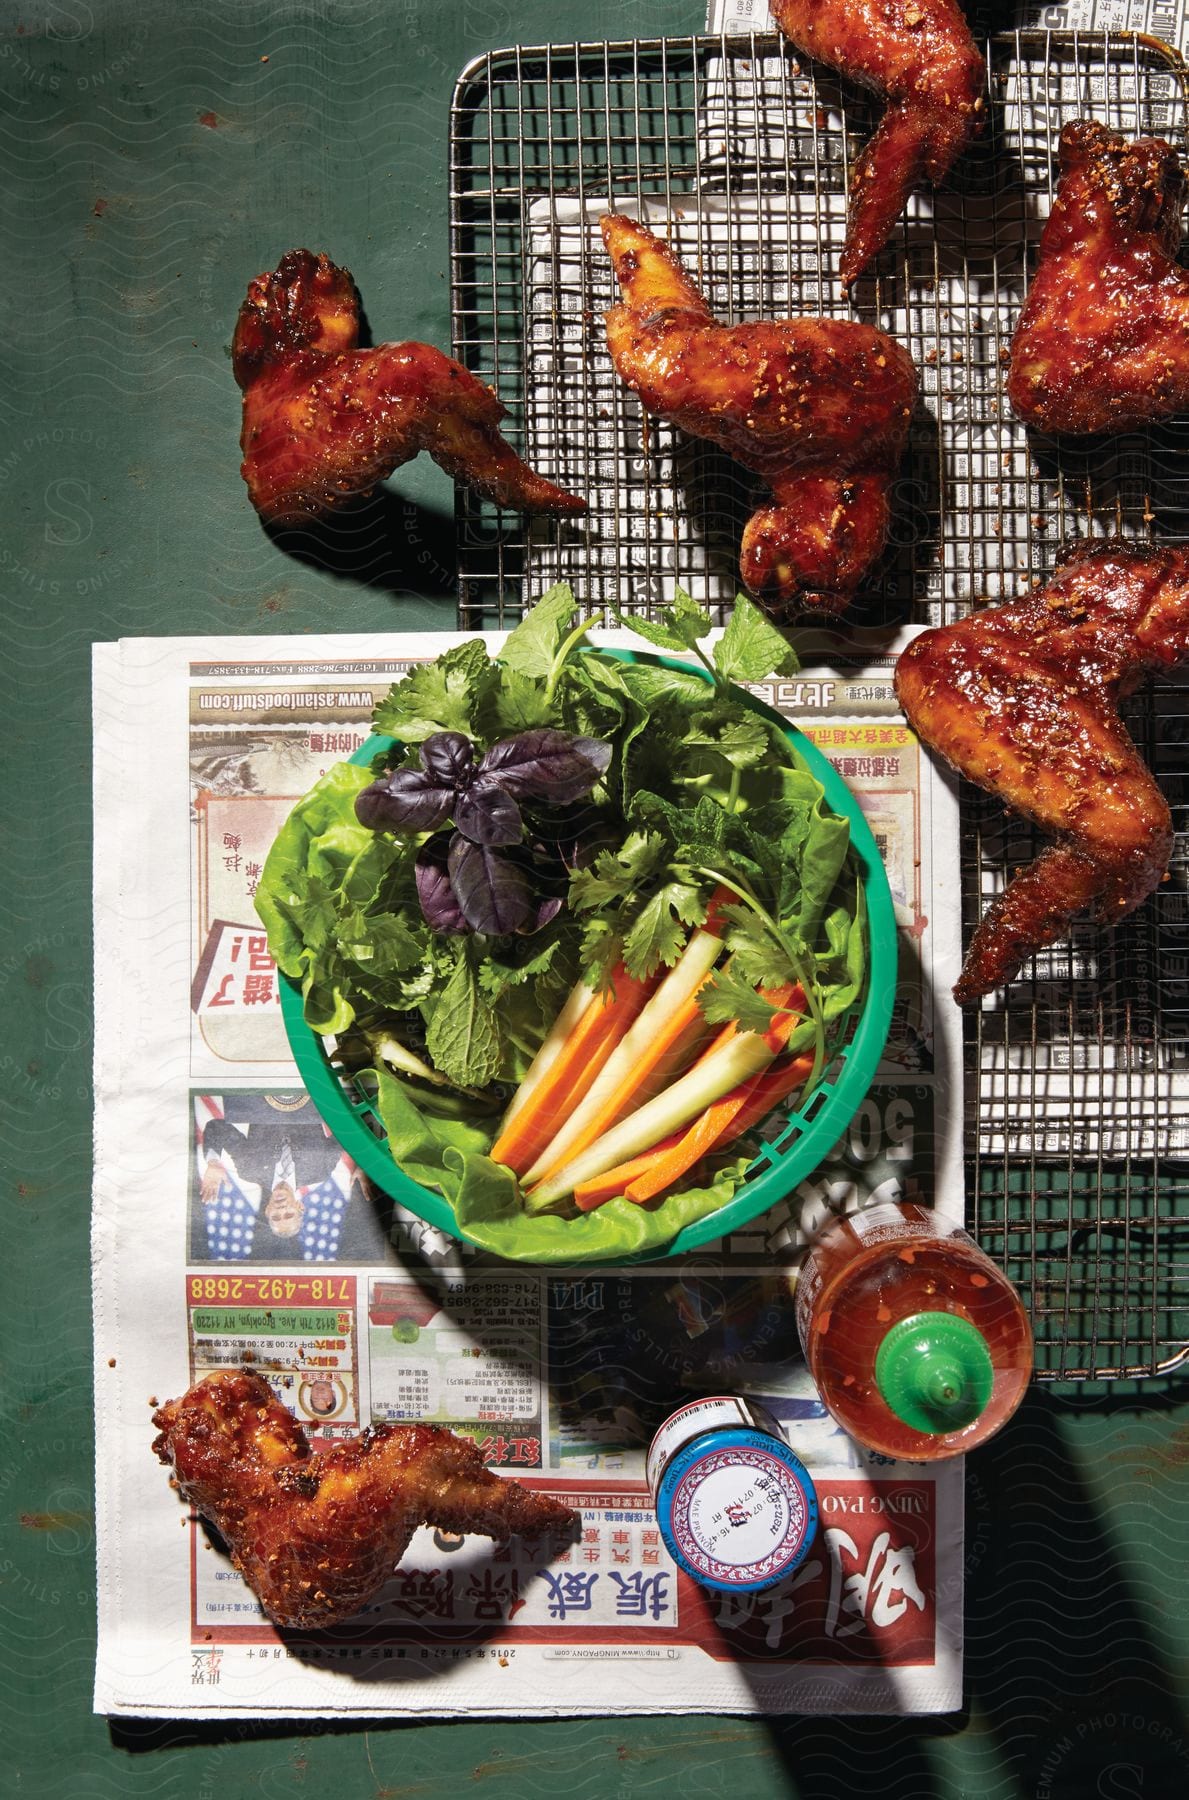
(1060, 1657)
(1069, 1697)
(386, 542)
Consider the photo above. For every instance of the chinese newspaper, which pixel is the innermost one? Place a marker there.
(230, 1229)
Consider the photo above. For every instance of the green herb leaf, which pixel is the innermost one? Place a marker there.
(677, 689)
(599, 950)
(741, 739)
(659, 933)
(751, 648)
(380, 944)
(438, 696)
(533, 646)
(696, 833)
(614, 873)
(729, 996)
(823, 854)
(498, 974)
(679, 628)
(463, 1038)
(517, 704)
(757, 957)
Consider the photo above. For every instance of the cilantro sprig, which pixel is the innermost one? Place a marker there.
(699, 792)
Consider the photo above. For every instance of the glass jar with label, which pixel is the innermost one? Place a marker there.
(737, 1510)
(918, 1342)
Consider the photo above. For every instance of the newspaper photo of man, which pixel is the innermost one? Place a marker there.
(272, 1185)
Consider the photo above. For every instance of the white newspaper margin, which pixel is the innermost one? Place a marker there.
(141, 724)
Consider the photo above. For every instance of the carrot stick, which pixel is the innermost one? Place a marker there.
(716, 1122)
(728, 1119)
(589, 1194)
(571, 1072)
(769, 1089)
(653, 1065)
(648, 1056)
(592, 1193)
(763, 1092)
(723, 1069)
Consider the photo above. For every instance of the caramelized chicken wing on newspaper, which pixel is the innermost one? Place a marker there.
(317, 1533)
(1023, 699)
(819, 408)
(920, 54)
(1103, 340)
(324, 421)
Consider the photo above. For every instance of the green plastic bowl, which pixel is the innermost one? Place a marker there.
(793, 1152)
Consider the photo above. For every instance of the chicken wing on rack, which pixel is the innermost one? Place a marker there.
(1023, 699)
(921, 55)
(818, 407)
(1103, 340)
(324, 421)
(316, 1534)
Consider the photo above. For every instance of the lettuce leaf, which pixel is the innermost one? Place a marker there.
(701, 788)
(449, 1156)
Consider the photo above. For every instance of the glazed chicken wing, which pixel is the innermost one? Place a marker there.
(1023, 699)
(921, 55)
(818, 407)
(316, 1534)
(1103, 340)
(325, 421)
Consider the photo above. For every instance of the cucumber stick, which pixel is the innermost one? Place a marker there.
(580, 998)
(679, 986)
(716, 1074)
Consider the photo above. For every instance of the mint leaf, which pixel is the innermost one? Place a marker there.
(437, 696)
(696, 833)
(463, 1040)
(687, 618)
(533, 646)
(654, 687)
(751, 648)
(651, 630)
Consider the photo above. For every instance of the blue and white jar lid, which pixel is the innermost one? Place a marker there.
(736, 1508)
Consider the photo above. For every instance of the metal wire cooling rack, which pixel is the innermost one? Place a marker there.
(1078, 1078)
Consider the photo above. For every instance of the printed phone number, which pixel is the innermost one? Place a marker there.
(250, 1288)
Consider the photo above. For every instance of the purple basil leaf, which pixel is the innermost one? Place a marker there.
(546, 910)
(547, 764)
(406, 800)
(486, 814)
(448, 758)
(491, 891)
(439, 908)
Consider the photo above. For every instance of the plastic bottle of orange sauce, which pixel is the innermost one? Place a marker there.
(918, 1343)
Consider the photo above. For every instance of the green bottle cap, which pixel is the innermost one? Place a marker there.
(935, 1371)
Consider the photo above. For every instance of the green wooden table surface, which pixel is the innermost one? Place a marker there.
(153, 159)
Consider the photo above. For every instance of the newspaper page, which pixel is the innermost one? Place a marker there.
(357, 1312)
